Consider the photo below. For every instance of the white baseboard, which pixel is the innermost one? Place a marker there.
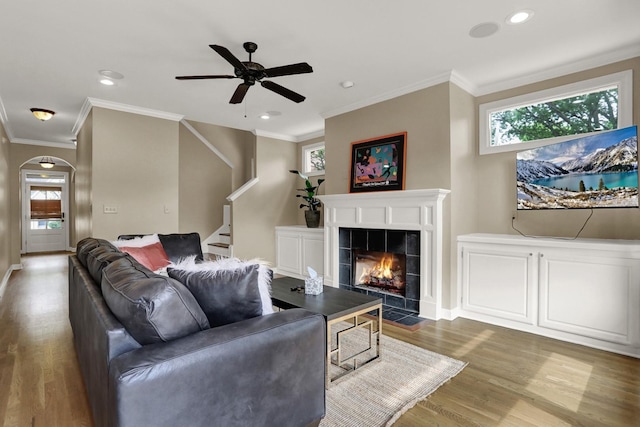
(6, 277)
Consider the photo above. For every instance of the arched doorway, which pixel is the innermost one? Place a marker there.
(45, 205)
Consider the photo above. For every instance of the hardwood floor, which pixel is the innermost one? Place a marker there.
(513, 378)
(40, 382)
(519, 379)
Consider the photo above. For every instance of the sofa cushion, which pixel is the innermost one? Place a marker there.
(85, 246)
(153, 308)
(100, 257)
(181, 245)
(226, 296)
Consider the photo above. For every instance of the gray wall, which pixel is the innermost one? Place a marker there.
(5, 204)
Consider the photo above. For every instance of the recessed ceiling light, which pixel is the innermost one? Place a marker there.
(485, 29)
(346, 84)
(519, 17)
(109, 77)
(111, 74)
(265, 116)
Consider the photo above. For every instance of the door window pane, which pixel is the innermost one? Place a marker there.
(46, 202)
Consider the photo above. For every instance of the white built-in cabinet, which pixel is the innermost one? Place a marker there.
(585, 291)
(298, 247)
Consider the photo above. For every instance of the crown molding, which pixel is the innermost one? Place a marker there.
(310, 135)
(588, 63)
(265, 134)
(423, 84)
(463, 83)
(126, 108)
(5, 121)
(70, 146)
(84, 113)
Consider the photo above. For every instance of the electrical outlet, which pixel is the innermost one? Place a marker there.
(109, 209)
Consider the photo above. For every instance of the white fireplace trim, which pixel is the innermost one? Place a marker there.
(391, 210)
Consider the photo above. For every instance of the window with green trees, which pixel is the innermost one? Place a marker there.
(313, 159)
(557, 114)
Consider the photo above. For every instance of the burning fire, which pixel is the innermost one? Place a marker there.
(381, 270)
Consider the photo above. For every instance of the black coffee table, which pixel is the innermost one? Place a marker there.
(336, 305)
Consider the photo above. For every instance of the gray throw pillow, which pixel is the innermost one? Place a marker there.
(153, 308)
(226, 296)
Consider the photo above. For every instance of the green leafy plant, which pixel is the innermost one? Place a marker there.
(308, 192)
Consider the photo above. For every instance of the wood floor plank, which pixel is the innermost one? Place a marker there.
(512, 379)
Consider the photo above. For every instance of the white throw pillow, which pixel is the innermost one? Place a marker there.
(264, 273)
(137, 242)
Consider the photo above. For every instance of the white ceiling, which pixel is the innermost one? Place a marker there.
(51, 53)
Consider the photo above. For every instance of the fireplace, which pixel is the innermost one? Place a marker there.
(379, 271)
(405, 222)
(364, 254)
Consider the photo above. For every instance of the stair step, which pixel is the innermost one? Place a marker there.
(220, 245)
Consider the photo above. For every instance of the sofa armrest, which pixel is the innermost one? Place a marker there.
(268, 370)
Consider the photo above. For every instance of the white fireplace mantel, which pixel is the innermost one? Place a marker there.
(391, 210)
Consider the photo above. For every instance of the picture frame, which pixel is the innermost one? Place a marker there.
(378, 164)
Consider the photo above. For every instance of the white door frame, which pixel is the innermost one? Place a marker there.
(24, 220)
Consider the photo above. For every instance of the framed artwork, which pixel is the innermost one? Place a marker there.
(378, 164)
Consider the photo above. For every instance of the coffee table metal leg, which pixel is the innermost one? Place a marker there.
(375, 331)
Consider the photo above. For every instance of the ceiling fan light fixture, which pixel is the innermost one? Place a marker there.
(42, 114)
(107, 82)
(47, 163)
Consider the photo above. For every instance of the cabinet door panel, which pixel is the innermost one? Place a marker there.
(498, 283)
(289, 255)
(313, 255)
(593, 296)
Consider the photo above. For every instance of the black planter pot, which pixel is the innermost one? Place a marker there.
(312, 218)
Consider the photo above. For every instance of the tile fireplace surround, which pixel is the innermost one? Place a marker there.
(419, 210)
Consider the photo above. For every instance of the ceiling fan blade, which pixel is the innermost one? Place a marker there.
(205, 77)
(287, 70)
(226, 54)
(239, 94)
(281, 90)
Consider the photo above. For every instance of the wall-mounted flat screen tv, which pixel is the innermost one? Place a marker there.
(596, 171)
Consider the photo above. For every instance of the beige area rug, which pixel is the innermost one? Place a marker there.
(377, 394)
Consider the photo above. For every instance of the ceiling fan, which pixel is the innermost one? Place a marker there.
(251, 72)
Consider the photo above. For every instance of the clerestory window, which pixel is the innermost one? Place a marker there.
(556, 114)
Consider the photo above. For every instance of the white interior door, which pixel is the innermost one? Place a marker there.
(45, 203)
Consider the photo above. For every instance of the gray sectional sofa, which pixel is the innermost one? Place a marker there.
(167, 367)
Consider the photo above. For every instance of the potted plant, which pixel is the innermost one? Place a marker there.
(312, 203)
